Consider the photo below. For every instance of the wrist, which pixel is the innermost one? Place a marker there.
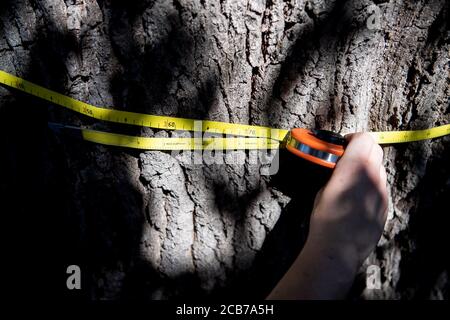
(341, 256)
(319, 272)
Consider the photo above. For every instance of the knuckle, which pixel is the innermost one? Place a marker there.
(363, 160)
(365, 138)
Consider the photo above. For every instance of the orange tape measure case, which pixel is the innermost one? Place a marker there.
(319, 146)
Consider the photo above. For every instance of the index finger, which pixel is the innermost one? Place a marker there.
(358, 149)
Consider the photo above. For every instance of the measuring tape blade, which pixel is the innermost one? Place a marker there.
(140, 119)
(269, 137)
(235, 143)
(388, 137)
(162, 143)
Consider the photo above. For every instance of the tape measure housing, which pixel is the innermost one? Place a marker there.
(305, 144)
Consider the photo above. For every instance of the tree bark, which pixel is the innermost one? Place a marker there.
(154, 225)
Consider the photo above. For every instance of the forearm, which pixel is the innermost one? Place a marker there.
(318, 273)
(346, 223)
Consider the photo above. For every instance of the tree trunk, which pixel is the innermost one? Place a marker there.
(157, 225)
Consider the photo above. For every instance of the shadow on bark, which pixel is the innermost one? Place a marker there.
(300, 180)
(35, 179)
(105, 226)
(331, 29)
(428, 231)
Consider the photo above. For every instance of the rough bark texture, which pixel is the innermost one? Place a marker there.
(150, 225)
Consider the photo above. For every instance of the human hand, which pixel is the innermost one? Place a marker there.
(346, 223)
(351, 210)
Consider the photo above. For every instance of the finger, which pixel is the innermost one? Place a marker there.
(385, 214)
(357, 151)
(383, 178)
(375, 163)
(349, 136)
(383, 189)
(376, 156)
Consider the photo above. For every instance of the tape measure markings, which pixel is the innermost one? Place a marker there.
(141, 119)
(388, 137)
(237, 143)
(266, 137)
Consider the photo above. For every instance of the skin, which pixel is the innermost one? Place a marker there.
(346, 224)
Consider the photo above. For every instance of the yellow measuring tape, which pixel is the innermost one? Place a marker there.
(256, 137)
(233, 143)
